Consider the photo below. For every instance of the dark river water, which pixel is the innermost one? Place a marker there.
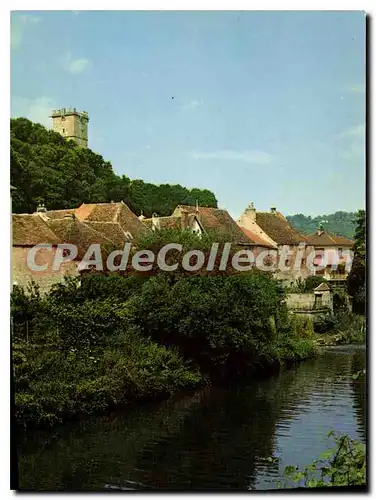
(212, 439)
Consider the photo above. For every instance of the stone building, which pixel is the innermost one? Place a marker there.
(185, 221)
(338, 255)
(214, 221)
(292, 247)
(30, 230)
(71, 124)
(110, 225)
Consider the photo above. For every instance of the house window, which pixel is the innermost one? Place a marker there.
(287, 262)
(63, 130)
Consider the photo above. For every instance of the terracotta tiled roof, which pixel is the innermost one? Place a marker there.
(130, 222)
(257, 239)
(170, 222)
(326, 239)
(98, 212)
(59, 214)
(278, 228)
(112, 212)
(30, 230)
(71, 230)
(112, 231)
(219, 220)
(104, 223)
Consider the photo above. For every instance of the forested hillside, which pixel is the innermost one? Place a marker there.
(45, 168)
(340, 223)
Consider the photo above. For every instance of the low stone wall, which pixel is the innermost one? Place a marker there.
(301, 302)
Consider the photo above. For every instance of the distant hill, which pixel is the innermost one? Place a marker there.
(340, 223)
(46, 168)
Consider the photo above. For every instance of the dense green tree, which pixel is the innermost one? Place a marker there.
(340, 223)
(356, 281)
(47, 168)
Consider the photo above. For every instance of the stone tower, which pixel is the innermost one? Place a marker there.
(71, 124)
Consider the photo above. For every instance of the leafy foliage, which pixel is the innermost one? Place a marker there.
(340, 223)
(356, 281)
(347, 328)
(97, 341)
(47, 168)
(343, 465)
(53, 385)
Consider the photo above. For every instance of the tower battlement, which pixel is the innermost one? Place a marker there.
(71, 124)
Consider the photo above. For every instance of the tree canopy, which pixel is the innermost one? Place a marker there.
(46, 168)
(356, 281)
(340, 223)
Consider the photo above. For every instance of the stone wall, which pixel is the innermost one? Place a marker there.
(303, 301)
(307, 301)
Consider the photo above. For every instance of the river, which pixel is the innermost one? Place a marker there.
(217, 438)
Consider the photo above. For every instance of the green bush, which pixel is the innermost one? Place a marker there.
(62, 385)
(214, 320)
(301, 326)
(343, 465)
(348, 327)
(93, 286)
(324, 323)
(108, 340)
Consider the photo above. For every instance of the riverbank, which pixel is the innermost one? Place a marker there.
(104, 342)
(215, 438)
(340, 329)
(55, 387)
(333, 339)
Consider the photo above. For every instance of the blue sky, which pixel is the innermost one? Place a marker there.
(266, 107)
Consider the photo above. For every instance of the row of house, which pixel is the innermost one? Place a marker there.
(290, 244)
(113, 224)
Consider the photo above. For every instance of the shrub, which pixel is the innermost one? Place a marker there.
(343, 465)
(108, 340)
(62, 385)
(348, 327)
(211, 319)
(324, 323)
(301, 326)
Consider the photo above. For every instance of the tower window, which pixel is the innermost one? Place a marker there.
(63, 130)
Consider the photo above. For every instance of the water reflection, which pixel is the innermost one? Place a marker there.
(213, 439)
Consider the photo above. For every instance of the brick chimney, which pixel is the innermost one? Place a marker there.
(251, 211)
(184, 219)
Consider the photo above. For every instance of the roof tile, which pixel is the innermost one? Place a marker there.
(326, 239)
(278, 228)
(30, 230)
(219, 220)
